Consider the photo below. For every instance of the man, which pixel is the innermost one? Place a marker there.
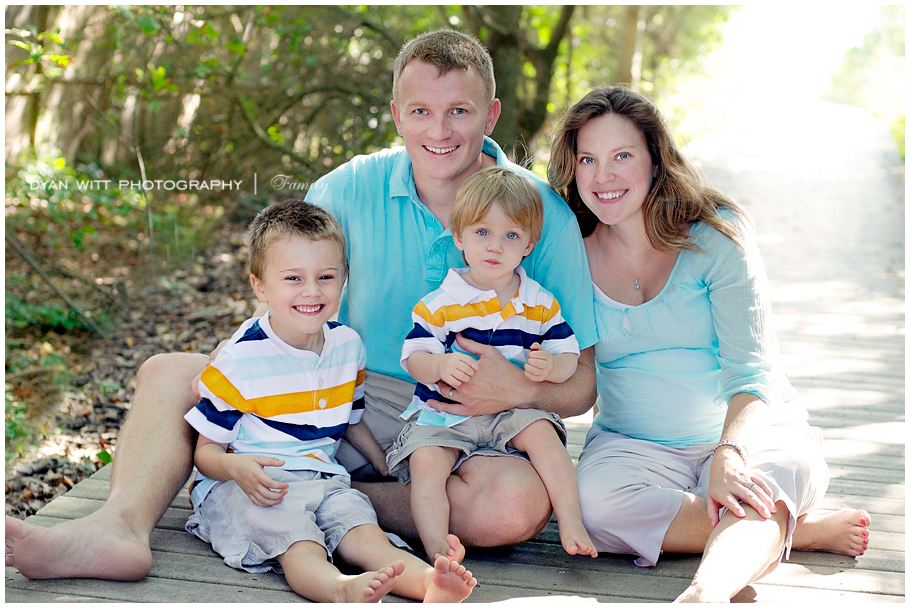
(394, 207)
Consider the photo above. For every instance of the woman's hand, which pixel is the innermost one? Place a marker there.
(732, 482)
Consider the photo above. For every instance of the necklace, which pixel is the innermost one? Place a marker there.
(629, 268)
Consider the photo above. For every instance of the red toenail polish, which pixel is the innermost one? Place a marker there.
(862, 521)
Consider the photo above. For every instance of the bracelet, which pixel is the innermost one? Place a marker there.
(739, 449)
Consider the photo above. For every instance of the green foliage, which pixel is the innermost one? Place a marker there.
(91, 232)
(872, 74)
(47, 316)
(42, 48)
(38, 371)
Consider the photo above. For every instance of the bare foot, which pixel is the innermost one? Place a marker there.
(453, 549)
(449, 582)
(371, 587)
(695, 595)
(575, 539)
(97, 546)
(845, 532)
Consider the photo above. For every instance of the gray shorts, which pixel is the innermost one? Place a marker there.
(631, 489)
(386, 398)
(487, 435)
(319, 508)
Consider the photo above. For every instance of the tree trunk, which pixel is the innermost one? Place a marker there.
(504, 43)
(629, 43)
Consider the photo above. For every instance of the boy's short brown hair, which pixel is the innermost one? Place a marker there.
(293, 217)
(518, 198)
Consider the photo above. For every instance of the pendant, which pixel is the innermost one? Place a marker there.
(636, 283)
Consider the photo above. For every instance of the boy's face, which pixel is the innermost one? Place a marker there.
(302, 285)
(442, 119)
(494, 247)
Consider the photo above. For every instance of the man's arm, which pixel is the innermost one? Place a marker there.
(500, 385)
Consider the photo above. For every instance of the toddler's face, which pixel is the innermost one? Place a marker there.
(302, 285)
(494, 246)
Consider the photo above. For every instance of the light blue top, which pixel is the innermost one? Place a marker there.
(666, 368)
(399, 252)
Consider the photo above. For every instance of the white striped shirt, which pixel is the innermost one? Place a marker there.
(262, 396)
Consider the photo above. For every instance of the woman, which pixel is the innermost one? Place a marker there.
(699, 444)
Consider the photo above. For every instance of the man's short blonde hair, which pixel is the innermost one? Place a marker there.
(518, 198)
(447, 50)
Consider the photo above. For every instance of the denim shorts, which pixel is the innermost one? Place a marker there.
(318, 507)
(478, 435)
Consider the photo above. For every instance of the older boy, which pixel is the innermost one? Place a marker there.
(276, 401)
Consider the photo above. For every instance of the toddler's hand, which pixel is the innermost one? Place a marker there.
(457, 368)
(246, 470)
(540, 363)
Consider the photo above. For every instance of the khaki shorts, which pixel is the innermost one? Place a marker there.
(318, 507)
(386, 398)
(483, 435)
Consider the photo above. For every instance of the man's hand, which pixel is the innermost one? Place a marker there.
(494, 388)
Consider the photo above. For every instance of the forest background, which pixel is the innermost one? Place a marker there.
(141, 140)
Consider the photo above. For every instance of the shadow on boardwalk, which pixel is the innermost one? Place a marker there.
(826, 190)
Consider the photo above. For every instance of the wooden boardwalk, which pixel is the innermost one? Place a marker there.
(832, 234)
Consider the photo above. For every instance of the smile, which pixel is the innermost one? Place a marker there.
(309, 309)
(609, 196)
(441, 150)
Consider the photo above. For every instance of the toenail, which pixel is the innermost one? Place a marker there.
(862, 521)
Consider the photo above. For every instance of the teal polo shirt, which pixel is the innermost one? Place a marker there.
(399, 252)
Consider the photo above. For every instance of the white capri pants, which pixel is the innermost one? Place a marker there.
(631, 489)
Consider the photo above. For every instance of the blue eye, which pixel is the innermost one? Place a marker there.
(512, 236)
(623, 156)
(482, 232)
(586, 160)
(459, 111)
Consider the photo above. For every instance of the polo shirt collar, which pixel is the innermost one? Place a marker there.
(401, 180)
(464, 293)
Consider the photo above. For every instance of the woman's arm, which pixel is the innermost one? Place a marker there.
(731, 479)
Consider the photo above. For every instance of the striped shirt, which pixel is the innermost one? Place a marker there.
(533, 315)
(262, 396)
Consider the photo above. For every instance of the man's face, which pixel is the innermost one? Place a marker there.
(443, 119)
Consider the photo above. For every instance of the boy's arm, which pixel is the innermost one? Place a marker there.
(542, 365)
(214, 462)
(361, 438)
(564, 366)
(452, 368)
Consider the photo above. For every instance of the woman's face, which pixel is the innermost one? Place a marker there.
(613, 168)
